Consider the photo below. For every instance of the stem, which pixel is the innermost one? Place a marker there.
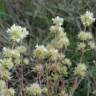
(21, 80)
(6, 83)
(75, 86)
(82, 54)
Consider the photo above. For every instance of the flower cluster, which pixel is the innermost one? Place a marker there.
(53, 51)
(5, 74)
(4, 91)
(87, 19)
(67, 61)
(52, 54)
(7, 63)
(86, 42)
(2, 85)
(60, 39)
(11, 56)
(58, 21)
(81, 46)
(84, 36)
(80, 70)
(92, 44)
(40, 52)
(21, 49)
(13, 53)
(54, 29)
(17, 33)
(7, 52)
(38, 69)
(34, 90)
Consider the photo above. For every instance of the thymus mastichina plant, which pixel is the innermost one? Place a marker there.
(52, 67)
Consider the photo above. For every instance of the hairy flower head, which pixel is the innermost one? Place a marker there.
(67, 61)
(80, 70)
(5, 74)
(88, 18)
(21, 49)
(81, 46)
(56, 29)
(52, 54)
(38, 69)
(15, 53)
(2, 85)
(11, 53)
(64, 70)
(17, 32)
(7, 63)
(7, 52)
(85, 36)
(10, 92)
(92, 44)
(58, 21)
(59, 43)
(34, 89)
(40, 51)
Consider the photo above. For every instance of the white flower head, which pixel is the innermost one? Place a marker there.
(80, 70)
(81, 46)
(92, 44)
(67, 61)
(84, 36)
(15, 53)
(59, 43)
(52, 54)
(88, 18)
(11, 92)
(21, 49)
(11, 52)
(34, 89)
(38, 68)
(2, 85)
(58, 21)
(40, 51)
(7, 52)
(5, 74)
(56, 29)
(17, 32)
(45, 90)
(7, 63)
(63, 42)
